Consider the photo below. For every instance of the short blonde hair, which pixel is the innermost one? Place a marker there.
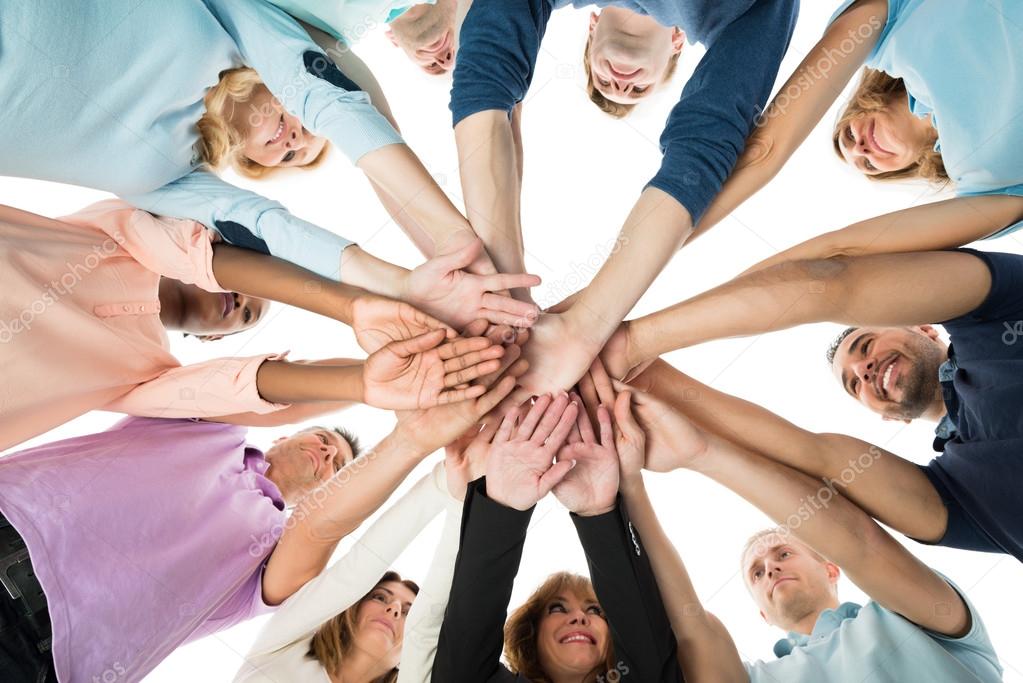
(220, 140)
(616, 109)
(522, 627)
(335, 639)
(877, 91)
(758, 539)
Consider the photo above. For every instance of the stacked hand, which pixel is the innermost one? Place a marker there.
(591, 487)
(443, 287)
(378, 321)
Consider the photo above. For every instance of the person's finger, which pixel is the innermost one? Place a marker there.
(472, 358)
(533, 417)
(458, 259)
(486, 435)
(460, 347)
(463, 377)
(523, 310)
(623, 416)
(549, 420)
(490, 400)
(554, 475)
(586, 425)
(588, 392)
(418, 344)
(511, 354)
(498, 334)
(456, 395)
(521, 337)
(560, 433)
(602, 382)
(477, 328)
(424, 319)
(499, 317)
(504, 433)
(574, 436)
(502, 281)
(607, 436)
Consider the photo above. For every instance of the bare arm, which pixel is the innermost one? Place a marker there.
(931, 227)
(800, 104)
(888, 289)
(842, 532)
(891, 489)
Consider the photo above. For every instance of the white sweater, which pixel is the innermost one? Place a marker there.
(279, 653)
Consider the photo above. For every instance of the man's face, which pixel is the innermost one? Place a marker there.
(787, 580)
(891, 370)
(629, 54)
(427, 35)
(301, 462)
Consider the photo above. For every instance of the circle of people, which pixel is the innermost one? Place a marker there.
(121, 546)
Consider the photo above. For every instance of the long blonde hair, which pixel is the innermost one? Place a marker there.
(877, 91)
(522, 627)
(336, 638)
(220, 141)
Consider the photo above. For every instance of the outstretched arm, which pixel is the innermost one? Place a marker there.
(882, 290)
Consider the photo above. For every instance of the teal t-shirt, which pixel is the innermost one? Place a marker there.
(962, 63)
(871, 644)
(348, 20)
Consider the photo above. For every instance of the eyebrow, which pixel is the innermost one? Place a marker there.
(852, 350)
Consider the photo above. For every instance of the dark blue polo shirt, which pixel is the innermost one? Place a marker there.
(980, 472)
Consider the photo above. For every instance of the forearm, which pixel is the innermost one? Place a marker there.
(655, 229)
(488, 167)
(705, 649)
(397, 172)
(840, 531)
(283, 382)
(249, 272)
(876, 290)
(365, 271)
(334, 510)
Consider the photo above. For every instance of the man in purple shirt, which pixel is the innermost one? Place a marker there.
(157, 532)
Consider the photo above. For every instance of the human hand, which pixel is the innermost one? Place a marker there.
(672, 440)
(378, 321)
(421, 372)
(558, 355)
(521, 468)
(442, 287)
(481, 265)
(591, 487)
(619, 355)
(465, 459)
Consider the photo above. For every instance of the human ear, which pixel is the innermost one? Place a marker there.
(210, 337)
(929, 331)
(390, 36)
(678, 39)
(594, 18)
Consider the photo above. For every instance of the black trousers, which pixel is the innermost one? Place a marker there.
(25, 634)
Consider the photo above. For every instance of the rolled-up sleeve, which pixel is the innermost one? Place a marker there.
(707, 130)
(276, 46)
(497, 51)
(248, 220)
(217, 387)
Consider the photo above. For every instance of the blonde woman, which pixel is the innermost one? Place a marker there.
(66, 119)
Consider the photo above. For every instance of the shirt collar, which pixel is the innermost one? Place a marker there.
(946, 430)
(827, 622)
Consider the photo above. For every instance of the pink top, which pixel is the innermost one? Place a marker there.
(80, 327)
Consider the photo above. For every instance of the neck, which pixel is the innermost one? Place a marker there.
(172, 304)
(359, 666)
(806, 624)
(572, 678)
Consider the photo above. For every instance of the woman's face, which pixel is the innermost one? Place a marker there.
(273, 137)
(218, 313)
(572, 636)
(883, 141)
(380, 621)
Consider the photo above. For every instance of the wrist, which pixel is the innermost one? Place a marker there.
(630, 484)
(586, 327)
(596, 510)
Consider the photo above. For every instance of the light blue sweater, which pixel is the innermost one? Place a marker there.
(107, 95)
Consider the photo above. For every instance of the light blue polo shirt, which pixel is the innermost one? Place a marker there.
(962, 62)
(348, 20)
(871, 644)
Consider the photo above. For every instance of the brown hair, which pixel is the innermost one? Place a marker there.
(336, 638)
(876, 92)
(616, 109)
(220, 140)
(522, 627)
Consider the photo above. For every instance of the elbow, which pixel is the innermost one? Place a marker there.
(761, 155)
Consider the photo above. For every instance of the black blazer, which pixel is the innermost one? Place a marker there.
(492, 536)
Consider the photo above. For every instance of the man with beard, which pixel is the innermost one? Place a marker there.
(893, 363)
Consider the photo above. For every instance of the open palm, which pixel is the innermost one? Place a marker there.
(422, 372)
(591, 487)
(378, 321)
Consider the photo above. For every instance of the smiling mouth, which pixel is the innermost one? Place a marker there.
(578, 638)
(279, 133)
(882, 383)
(228, 304)
(874, 142)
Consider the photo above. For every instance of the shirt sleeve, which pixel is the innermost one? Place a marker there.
(248, 220)
(178, 249)
(707, 130)
(351, 577)
(627, 590)
(1012, 191)
(490, 549)
(223, 386)
(302, 78)
(422, 627)
(1003, 302)
(497, 51)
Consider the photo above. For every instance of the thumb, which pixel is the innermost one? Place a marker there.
(423, 342)
(553, 476)
(458, 259)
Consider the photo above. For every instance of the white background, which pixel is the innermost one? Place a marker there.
(583, 172)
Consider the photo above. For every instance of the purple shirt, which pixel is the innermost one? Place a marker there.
(143, 537)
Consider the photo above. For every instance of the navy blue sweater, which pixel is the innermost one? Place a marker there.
(705, 132)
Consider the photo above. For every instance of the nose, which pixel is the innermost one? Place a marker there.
(864, 368)
(296, 141)
(579, 617)
(394, 609)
